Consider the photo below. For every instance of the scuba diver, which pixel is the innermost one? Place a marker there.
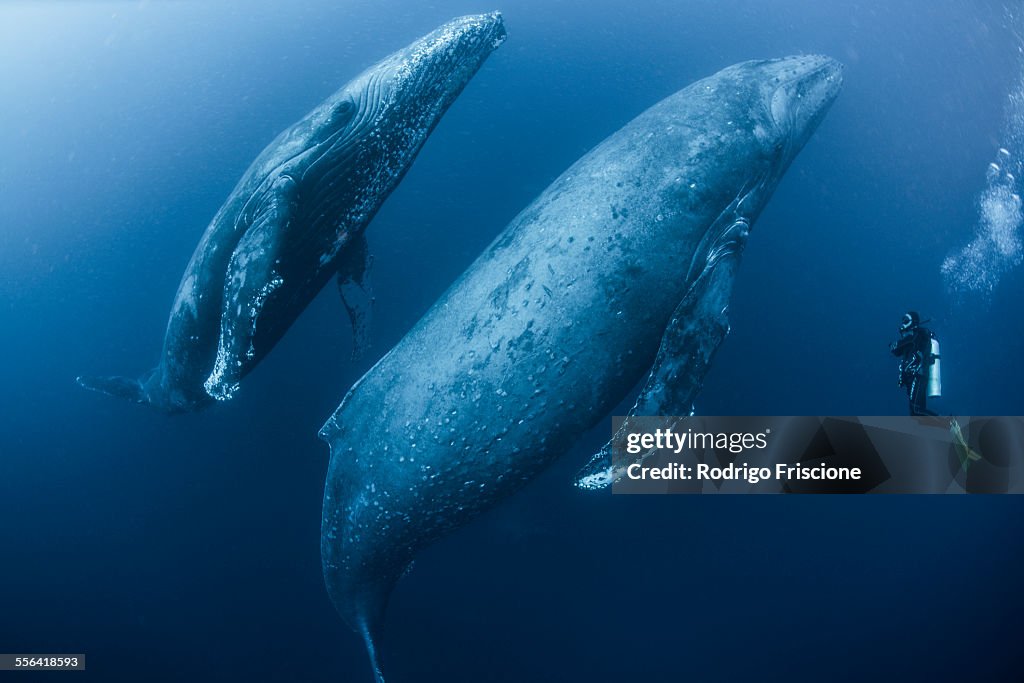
(918, 351)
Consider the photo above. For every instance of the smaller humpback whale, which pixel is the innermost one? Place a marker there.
(297, 217)
(630, 250)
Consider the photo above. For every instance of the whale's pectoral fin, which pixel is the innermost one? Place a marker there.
(356, 293)
(697, 328)
(251, 279)
(127, 388)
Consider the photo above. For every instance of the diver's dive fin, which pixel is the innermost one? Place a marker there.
(356, 294)
(698, 326)
(964, 452)
(127, 388)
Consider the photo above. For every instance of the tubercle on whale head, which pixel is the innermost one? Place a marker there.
(489, 26)
(450, 55)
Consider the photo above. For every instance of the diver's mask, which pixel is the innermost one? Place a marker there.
(907, 323)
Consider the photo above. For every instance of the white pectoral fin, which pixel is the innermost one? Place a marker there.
(356, 293)
(697, 328)
(252, 277)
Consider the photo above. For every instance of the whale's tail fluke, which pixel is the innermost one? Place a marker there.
(127, 388)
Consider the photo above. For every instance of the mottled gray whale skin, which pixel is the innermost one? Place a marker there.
(298, 214)
(558, 319)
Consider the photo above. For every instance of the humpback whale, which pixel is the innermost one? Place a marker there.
(297, 217)
(622, 267)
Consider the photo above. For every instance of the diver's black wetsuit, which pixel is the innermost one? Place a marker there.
(914, 348)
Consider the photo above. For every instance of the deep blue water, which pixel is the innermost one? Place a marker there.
(188, 547)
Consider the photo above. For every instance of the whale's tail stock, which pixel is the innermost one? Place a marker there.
(360, 596)
(150, 389)
(371, 637)
(128, 388)
(364, 610)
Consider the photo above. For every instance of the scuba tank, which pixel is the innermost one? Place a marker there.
(935, 371)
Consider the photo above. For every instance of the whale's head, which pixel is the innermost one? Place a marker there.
(389, 109)
(796, 93)
(750, 122)
(358, 144)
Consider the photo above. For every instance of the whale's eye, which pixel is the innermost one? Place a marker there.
(343, 113)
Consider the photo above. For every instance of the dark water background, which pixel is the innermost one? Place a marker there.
(187, 547)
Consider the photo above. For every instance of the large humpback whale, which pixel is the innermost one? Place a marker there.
(298, 214)
(624, 261)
